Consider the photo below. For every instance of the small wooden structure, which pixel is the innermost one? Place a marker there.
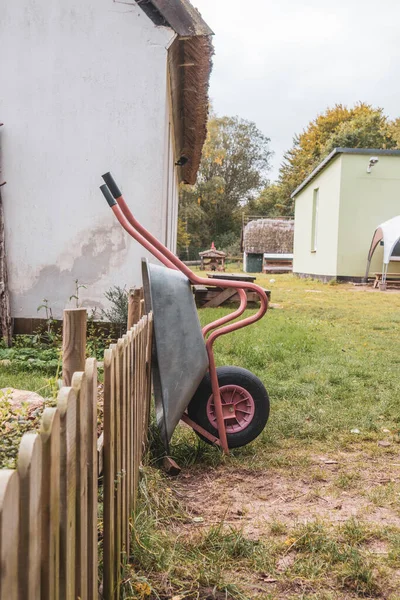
(211, 296)
(260, 236)
(278, 263)
(213, 259)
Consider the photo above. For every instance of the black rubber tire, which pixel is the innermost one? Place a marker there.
(232, 376)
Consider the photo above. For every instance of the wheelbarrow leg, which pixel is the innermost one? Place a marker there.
(217, 401)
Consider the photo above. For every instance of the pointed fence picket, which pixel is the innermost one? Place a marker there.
(49, 521)
(127, 388)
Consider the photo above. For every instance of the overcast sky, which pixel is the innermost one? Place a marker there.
(281, 63)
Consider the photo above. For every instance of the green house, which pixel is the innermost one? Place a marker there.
(337, 210)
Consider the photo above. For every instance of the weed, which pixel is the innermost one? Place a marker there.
(385, 494)
(49, 334)
(118, 311)
(394, 552)
(344, 481)
(78, 287)
(357, 575)
(277, 528)
(14, 422)
(355, 533)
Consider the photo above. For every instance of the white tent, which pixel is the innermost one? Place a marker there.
(388, 233)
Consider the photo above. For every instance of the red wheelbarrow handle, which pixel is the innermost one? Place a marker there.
(114, 197)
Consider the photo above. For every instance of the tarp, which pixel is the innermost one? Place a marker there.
(389, 232)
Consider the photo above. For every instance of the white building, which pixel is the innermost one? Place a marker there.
(89, 87)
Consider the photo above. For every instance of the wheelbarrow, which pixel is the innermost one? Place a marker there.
(226, 406)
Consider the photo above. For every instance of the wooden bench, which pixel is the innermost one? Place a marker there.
(278, 267)
(277, 263)
(211, 296)
(393, 278)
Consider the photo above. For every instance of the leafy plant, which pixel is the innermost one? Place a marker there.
(50, 334)
(15, 421)
(78, 286)
(117, 313)
(43, 359)
(98, 336)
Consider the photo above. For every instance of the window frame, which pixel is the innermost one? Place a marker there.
(314, 220)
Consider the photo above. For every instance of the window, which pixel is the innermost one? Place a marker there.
(396, 252)
(314, 222)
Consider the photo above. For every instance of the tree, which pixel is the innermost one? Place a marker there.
(267, 203)
(362, 126)
(234, 167)
(394, 129)
(183, 238)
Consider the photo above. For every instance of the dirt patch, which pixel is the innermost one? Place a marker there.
(335, 490)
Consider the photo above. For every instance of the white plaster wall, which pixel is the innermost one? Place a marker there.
(83, 91)
(324, 260)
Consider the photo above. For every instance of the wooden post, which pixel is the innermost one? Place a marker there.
(68, 464)
(109, 467)
(133, 307)
(5, 315)
(91, 397)
(81, 543)
(50, 436)
(9, 513)
(29, 547)
(74, 342)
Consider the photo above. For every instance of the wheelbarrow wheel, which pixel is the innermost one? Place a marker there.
(243, 395)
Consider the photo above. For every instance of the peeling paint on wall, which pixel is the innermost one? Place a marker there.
(103, 249)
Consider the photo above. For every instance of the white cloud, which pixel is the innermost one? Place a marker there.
(281, 63)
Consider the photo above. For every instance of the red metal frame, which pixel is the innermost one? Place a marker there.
(167, 258)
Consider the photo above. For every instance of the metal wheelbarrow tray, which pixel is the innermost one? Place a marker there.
(227, 406)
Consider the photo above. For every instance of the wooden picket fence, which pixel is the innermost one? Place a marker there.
(49, 517)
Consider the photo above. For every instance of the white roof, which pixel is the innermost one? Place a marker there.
(390, 235)
(277, 256)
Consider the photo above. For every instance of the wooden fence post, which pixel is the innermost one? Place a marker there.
(133, 307)
(109, 468)
(74, 342)
(81, 547)
(50, 436)
(142, 310)
(91, 398)
(29, 544)
(9, 509)
(67, 407)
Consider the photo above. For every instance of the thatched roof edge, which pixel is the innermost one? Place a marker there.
(190, 64)
(269, 235)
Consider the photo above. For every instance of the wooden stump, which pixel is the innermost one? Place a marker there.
(74, 342)
(133, 307)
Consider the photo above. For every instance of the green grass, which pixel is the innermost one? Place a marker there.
(329, 357)
(32, 366)
(24, 380)
(327, 363)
